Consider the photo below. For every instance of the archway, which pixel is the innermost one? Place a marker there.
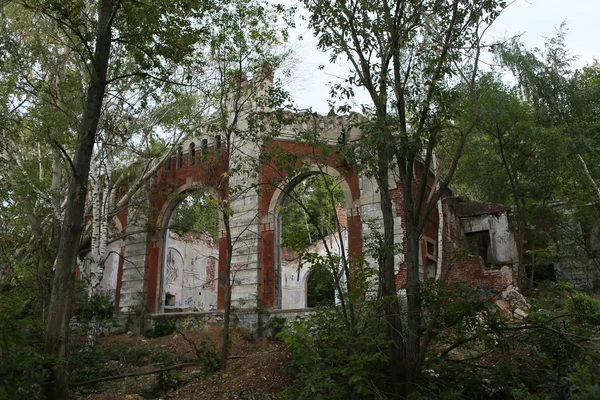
(320, 288)
(190, 253)
(310, 238)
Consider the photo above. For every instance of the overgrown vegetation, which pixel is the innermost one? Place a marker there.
(309, 214)
(196, 215)
(477, 350)
(22, 358)
(87, 88)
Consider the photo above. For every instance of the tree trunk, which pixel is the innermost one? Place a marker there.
(388, 282)
(227, 286)
(56, 197)
(57, 325)
(413, 295)
(587, 174)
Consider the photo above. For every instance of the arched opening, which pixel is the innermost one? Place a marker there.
(191, 254)
(320, 287)
(203, 149)
(192, 154)
(217, 144)
(179, 157)
(311, 238)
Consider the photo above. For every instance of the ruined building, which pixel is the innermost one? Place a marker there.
(155, 271)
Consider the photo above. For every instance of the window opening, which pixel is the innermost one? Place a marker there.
(203, 149)
(428, 267)
(179, 157)
(479, 244)
(191, 154)
(320, 288)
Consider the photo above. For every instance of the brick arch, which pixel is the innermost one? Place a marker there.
(271, 197)
(164, 216)
(313, 169)
(183, 173)
(179, 175)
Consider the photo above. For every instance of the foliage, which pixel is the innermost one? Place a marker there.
(206, 352)
(22, 359)
(98, 306)
(534, 148)
(409, 56)
(320, 287)
(162, 327)
(195, 214)
(547, 355)
(87, 363)
(275, 326)
(331, 362)
(510, 157)
(165, 382)
(309, 214)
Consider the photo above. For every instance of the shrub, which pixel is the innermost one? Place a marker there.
(334, 360)
(161, 328)
(22, 358)
(552, 353)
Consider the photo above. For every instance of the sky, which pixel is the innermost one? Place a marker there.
(534, 20)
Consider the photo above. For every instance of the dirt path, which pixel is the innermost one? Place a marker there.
(255, 370)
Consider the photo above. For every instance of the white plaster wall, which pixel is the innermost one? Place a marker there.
(505, 246)
(502, 240)
(293, 280)
(245, 226)
(191, 272)
(372, 219)
(370, 213)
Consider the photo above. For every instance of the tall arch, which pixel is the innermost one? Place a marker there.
(289, 289)
(166, 247)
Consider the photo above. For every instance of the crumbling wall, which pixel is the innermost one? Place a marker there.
(462, 265)
(190, 273)
(295, 271)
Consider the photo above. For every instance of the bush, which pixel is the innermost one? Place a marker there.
(22, 358)
(550, 354)
(161, 328)
(334, 360)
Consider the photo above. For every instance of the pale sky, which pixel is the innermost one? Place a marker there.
(534, 19)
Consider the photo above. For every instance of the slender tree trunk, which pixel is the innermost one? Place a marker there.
(56, 198)
(227, 285)
(57, 325)
(413, 295)
(387, 281)
(94, 255)
(101, 210)
(587, 174)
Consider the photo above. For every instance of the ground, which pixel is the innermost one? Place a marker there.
(255, 369)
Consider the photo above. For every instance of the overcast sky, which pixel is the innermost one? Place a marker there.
(534, 19)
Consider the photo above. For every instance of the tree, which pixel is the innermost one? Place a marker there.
(513, 160)
(150, 42)
(536, 144)
(240, 74)
(406, 55)
(563, 99)
(301, 228)
(195, 215)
